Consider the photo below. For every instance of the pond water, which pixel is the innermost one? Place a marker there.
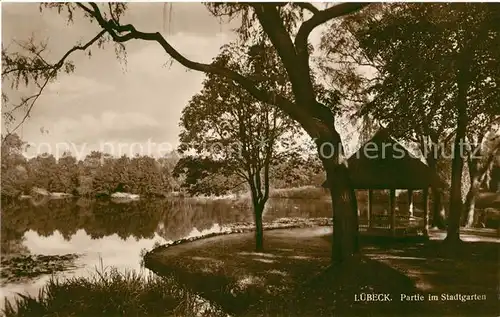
(105, 234)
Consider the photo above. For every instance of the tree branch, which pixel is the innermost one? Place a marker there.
(449, 136)
(298, 70)
(80, 47)
(319, 18)
(130, 31)
(307, 6)
(272, 24)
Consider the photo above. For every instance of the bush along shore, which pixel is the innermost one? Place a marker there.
(109, 292)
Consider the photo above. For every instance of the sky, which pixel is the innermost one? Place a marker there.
(105, 103)
(108, 105)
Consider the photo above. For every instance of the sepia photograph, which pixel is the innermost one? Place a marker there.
(250, 159)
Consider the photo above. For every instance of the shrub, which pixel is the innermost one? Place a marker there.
(305, 192)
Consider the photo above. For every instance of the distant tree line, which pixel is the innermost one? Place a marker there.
(100, 175)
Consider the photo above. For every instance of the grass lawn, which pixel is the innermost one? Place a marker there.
(293, 276)
(225, 269)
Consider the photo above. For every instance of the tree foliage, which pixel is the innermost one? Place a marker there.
(435, 73)
(231, 128)
(204, 176)
(419, 50)
(14, 166)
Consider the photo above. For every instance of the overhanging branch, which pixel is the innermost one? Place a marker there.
(124, 33)
(53, 69)
(319, 18)
(297, 70)
(307, 6)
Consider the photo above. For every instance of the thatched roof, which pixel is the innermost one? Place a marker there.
(384, 163)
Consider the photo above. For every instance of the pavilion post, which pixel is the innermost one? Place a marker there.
(392, 204)
(410, 202)
(426, 211)
(370, 207)
(359, 211)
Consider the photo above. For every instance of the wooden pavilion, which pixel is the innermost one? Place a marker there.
(383, 163)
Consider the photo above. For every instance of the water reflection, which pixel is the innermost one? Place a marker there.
(116, 234)
(172, 219)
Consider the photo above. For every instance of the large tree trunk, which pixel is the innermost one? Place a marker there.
(470, 199)
(345, 214)
(345, 223)
(470, 202)
(438, 212)
(453, 232)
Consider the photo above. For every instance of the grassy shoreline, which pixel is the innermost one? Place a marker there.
(281, 223)
(108, 292)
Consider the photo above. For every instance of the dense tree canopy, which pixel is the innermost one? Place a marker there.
(204, 176)
(429, 73)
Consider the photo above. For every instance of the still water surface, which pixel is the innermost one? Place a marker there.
(113, 234)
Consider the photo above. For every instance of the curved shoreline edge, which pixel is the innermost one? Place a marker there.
(282, 223)
(154, 263)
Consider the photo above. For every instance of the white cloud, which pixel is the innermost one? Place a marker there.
(103, 124)
(71, 86)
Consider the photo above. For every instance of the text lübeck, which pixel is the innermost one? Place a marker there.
(372, 297)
